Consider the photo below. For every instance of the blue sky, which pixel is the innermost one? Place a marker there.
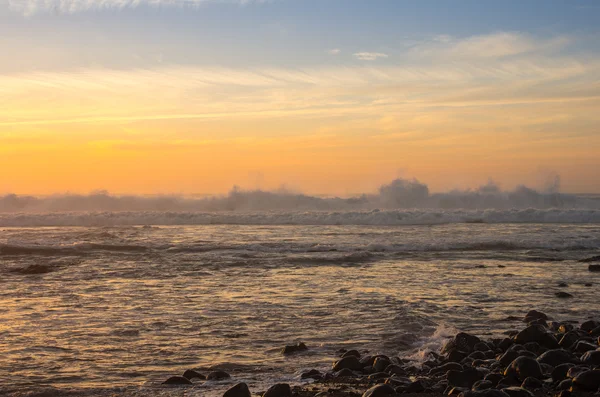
(279, 33)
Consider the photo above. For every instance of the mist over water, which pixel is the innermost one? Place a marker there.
(399, 194)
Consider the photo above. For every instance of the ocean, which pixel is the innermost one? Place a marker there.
(114, 303)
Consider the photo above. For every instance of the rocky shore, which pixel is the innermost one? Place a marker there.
(544, 358)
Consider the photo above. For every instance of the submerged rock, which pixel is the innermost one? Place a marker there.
(563, 294)
(191, 374)
(218, 375)
(177, 380)
(291, 349)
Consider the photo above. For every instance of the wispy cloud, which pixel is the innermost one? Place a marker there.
(30, 7)
(370, 56)
(334, 51)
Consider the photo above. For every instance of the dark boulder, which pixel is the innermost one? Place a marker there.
(482, 385)
(556, 357)
(591, 358)
(532, 384)
(462, 341)
(380, 391)
(536, 333)
(354, 353)
(177, 380)
(517, 392)
(442, 369)
(583, 346)
(465, 378)
(345, 373)
(560, 372)
(565, 384)
(535, 315)
(576, 370)
(594, 268)
(494, 377)
(279, 390)
(381, 364)
(568, 339)
(589, 325)
(588, 380)
(349, 362)
(508, 357)
(394, 369)
(524, 367)
(484, 393)
(239, 390)
(312, 374)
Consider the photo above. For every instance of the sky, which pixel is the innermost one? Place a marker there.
(321, 96)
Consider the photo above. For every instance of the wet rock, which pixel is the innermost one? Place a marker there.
(556, 357)
(279, 390)
(536, 333)
(505, 344)
(591, 358)
(583, 346)
(595, 332)
(239, 390)
(588, 380)
(484, 393)
(350, 362)
(535, 315)
(589, 325)
(345, 373)
(576, 370)
(379, 391)
(177, 380)
(312, 374)
(482, 385)
(465, 378)
(532, 384)
(565, 384)
(465, 342)
(442, 369)
(456, 356)
(381, 364)
(378, 375)
(560, 372)
(191, 374)
(594, 268)
(398, 381)
(218, 375)
(354, 353)
(524, 367)
(517, 392)
(481, 347)
(395, 370)
(494, 378)
(415, 387)
(563, 294)
(508, 357)
(569, 339)
(454, 391)
(291, 349)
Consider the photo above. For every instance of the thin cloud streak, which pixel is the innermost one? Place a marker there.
(31, 7)
(370, 56)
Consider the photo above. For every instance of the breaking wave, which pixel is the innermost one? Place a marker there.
(373, 217)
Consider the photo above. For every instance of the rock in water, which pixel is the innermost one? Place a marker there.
(524, 367)
(462, 341)
(563, 294)
(594, 268)
(177, 380)
(191, 374)
(588, 380)
(312, 374)
(218, 375)
(279, 390)
(535, 315)
(349, 362)
(239, 390)
(291, 349)
(354, 353)
(380, 391)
